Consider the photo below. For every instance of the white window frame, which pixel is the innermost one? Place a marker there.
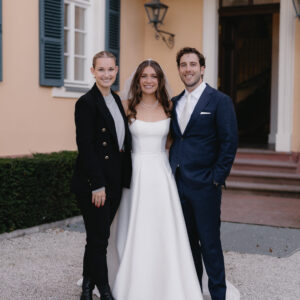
(94, 42)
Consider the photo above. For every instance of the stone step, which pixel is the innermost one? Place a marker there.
(256, 176)
(264, 188)
(265, 165)
(265, 154)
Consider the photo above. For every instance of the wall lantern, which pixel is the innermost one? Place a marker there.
(156, 13)
(297, 7)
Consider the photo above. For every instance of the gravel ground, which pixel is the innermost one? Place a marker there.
(46, 265)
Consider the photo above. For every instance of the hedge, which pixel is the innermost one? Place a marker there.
(36, 190)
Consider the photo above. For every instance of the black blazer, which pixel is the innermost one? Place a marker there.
(100, 162)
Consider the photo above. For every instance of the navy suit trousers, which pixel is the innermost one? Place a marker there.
(202, 209)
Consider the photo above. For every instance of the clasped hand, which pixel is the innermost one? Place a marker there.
(99, 198)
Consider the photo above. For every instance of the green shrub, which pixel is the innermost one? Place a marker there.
(36, 190)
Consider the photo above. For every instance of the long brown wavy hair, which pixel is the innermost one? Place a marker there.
(136, 91)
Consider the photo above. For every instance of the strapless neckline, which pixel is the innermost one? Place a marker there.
(150, 121)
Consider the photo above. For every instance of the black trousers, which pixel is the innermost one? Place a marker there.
(97, 223)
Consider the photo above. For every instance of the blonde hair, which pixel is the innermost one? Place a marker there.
(103, 54)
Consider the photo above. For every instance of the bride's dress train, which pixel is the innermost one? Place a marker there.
(149, 255)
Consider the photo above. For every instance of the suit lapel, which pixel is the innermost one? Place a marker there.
(202, 102)
(175, 117)
(105, 113)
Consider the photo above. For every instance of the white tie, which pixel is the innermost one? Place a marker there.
(185, 115)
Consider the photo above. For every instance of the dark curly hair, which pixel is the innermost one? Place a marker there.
(136, 91)
(188, 50)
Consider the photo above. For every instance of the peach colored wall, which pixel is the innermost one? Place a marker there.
(132, 37)
(296, 118)
(31, 120)
(184, 19)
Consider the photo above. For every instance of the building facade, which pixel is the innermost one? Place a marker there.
(252, 51)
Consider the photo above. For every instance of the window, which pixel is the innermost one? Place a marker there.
(71, 32)
(76, 39)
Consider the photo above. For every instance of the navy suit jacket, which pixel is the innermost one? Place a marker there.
(205, 151)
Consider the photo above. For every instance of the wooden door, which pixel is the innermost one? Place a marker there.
(245, 60)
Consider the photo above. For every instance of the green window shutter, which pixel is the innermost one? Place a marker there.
(51, 42)
(112, 32)
(0, 40)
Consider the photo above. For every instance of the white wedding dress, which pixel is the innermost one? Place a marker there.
(149, 255)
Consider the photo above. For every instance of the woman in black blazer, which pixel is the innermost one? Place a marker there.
(103, 168)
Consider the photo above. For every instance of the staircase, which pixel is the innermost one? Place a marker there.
(265, 172)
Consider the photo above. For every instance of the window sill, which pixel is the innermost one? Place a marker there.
(69, 92)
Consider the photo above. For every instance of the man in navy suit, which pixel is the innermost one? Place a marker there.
(204, 131)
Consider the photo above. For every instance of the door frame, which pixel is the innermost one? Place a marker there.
(283, 115)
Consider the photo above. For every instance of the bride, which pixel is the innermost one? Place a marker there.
(149, 255)
(155, 261)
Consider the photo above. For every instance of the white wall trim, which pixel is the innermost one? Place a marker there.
(286, 77)
(211, 40)
(274, 80)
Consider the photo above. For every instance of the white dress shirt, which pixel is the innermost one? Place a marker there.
(195, 95)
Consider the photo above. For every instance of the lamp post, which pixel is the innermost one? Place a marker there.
(156, 12)
(297, 7)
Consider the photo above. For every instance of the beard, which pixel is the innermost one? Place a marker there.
(194, 82)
